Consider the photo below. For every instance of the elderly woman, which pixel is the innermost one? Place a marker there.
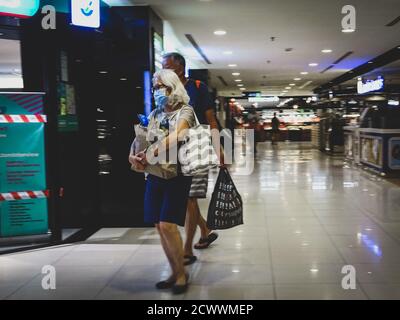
(166, 199)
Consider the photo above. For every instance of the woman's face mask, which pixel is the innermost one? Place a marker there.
(161, 97)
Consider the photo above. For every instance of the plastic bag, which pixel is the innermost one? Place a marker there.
(226, 207)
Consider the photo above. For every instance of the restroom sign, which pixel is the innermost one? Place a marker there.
(19, 8)
(85, 13)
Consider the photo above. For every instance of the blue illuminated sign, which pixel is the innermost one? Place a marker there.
(86, 13)
(19, 8)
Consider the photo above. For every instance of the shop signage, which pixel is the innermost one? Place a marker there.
(86, 13)
(264, 99)
(252, 94)
(370, 85)
(23, 204)
(19, 8)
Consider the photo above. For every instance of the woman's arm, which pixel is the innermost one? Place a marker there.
(172, 139)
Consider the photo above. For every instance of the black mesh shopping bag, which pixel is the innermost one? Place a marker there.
(226, 206)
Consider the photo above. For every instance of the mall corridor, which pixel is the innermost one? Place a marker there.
(306, 216)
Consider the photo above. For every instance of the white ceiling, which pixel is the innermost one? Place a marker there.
(307, 26)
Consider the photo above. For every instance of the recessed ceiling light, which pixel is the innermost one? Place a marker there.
(288, 88)
(238, 80)
(240, 85)
(103, 72)
(220, 32)
(348, 30)
(297, 79)
(227, 52)
(326, 51)
(232, 65)
(314, 270)
(285, 91)
(236, 74)
(313, 64)
(243, 89)
(123, 79)
(304, 72)
(370, 62)
(292, 84)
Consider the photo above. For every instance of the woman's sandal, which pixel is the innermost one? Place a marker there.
(181, 288)
(163, 285)
(205, 243)
(189, 260)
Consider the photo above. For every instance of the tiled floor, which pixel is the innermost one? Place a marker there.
(306, 216)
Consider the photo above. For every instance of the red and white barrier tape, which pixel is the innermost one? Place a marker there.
(23, 118)
(11, 196)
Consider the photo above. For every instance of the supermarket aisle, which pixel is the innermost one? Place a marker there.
(306, 216)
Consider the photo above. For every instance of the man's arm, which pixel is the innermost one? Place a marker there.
(212, 121)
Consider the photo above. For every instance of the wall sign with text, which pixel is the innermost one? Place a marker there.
(23, 189)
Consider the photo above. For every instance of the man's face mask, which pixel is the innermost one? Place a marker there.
(161, 98)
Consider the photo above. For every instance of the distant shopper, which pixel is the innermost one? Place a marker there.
(275, 123)
(253, 117)
(201, 102)
(166, 199)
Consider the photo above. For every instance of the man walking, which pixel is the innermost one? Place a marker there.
(202, 105)
(275, 123)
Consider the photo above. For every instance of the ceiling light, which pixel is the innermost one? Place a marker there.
(227, 52)
(240, 85)
(220, 32)
(313, 64)
(304, 72)
(292, 84)
(288, 88)
(236, 74)
(238, 80)
(232, 65)
(370, 62)
(285, 91)
(242, 89)
(297, 79)
(314, 270)
(123, 79)
(348, 30)
(326, 51)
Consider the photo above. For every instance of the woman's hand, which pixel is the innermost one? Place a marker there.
(142, 158)
(136, 162)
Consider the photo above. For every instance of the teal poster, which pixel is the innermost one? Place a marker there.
(22, 165)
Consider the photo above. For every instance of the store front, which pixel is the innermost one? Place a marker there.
(91, 81)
